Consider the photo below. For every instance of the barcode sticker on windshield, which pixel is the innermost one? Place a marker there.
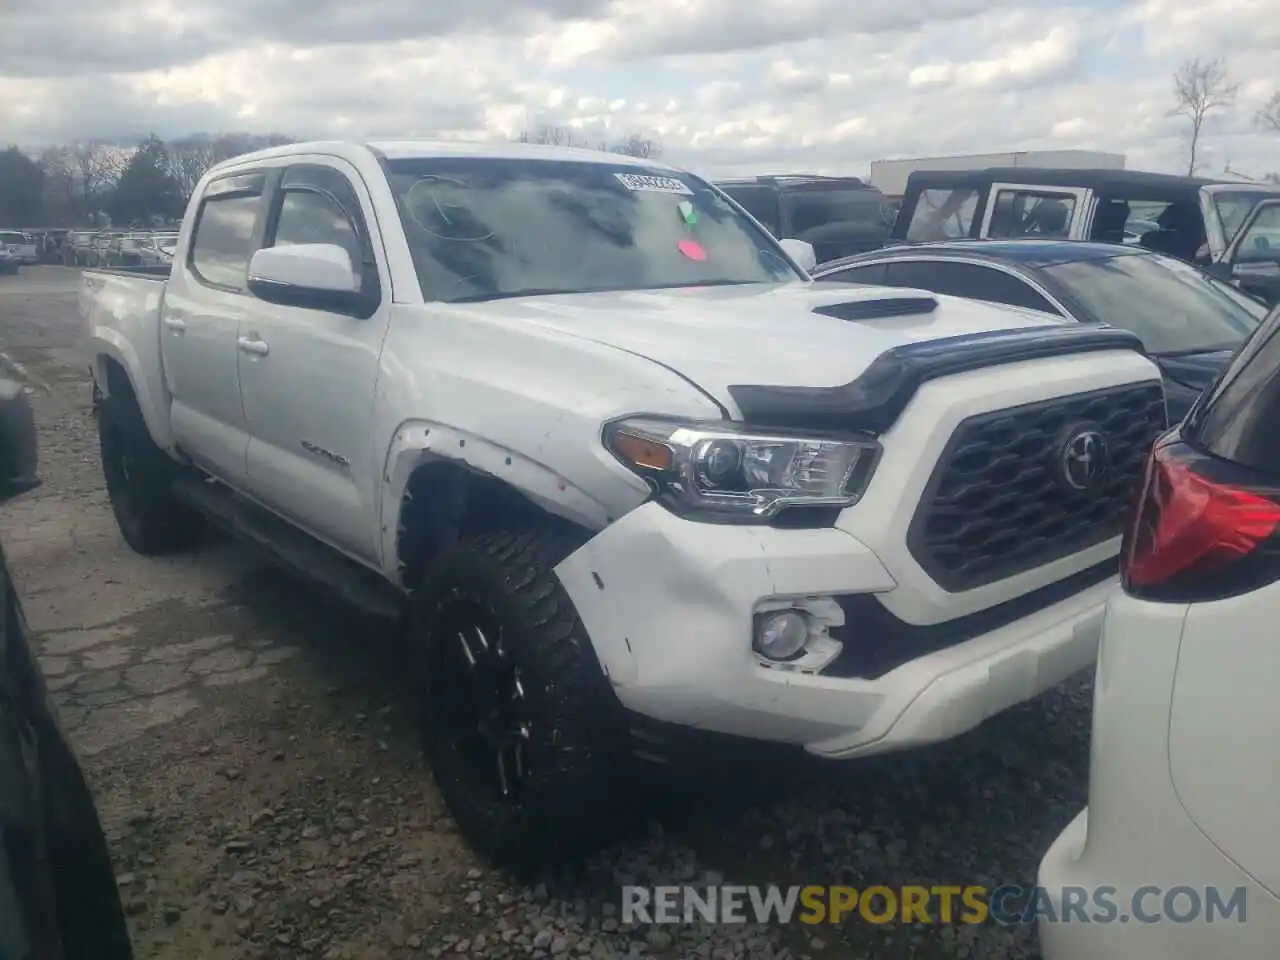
(643, 181)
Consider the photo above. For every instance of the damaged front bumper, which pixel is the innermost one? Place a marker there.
(670, 604)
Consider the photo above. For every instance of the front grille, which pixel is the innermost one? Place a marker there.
(997, 503)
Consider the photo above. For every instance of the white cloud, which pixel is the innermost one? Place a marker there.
(770, 86)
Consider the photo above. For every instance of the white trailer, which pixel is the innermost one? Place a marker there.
(890, 176)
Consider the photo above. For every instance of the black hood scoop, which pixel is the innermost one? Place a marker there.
(856, 310)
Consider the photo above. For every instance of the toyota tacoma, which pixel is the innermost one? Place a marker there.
(613, 459)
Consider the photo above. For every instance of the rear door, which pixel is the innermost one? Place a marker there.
(205, 301)
(1025, 210)
(1223, 750)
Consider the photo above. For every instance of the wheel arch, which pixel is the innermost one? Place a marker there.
(441, 484)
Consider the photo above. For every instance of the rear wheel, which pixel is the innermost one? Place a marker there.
(525, 738)
(138, 475)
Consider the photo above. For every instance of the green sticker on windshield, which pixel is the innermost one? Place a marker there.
(687, 213)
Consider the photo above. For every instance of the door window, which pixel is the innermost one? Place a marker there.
(223, 239)
(1260, 242)
(1026, 213)
(307, 216)
(968, 280)
(317, 204)
(942, 214)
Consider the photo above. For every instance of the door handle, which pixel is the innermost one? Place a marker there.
(175, 324)
(254, 345)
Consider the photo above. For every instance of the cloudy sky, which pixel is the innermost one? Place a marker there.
(725, 85)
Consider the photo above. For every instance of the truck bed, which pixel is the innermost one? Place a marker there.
(120, 308)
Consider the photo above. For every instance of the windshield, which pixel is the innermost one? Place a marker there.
(1234, 205)
(485, 228)
(14, 238)
(1172, 306)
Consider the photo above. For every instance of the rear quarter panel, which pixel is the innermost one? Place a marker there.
(121, 314)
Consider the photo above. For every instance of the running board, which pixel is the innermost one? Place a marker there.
(288, 547)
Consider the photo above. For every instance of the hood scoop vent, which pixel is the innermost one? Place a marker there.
(878, 309)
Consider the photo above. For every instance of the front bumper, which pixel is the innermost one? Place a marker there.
(669, 606)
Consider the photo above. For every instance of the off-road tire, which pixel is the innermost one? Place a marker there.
(573, 798)
(138, 476)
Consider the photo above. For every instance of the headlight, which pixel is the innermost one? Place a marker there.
(731, 470)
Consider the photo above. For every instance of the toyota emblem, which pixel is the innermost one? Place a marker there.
(1083, 460)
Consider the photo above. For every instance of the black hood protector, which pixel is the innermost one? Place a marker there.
(873, 402)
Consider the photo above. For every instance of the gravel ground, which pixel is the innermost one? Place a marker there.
(259, 777)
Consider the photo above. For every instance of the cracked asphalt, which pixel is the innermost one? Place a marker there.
(257, 770)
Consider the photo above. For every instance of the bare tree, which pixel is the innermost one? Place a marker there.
(636, 146)
(189, 158)
(553, 136)
(61, 198)
(633, 145)
(1268, 116)
(1199, 88)
(97, 166)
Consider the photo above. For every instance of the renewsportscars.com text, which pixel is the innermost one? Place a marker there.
(1008, 905)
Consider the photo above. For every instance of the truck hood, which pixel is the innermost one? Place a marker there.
(758, 333)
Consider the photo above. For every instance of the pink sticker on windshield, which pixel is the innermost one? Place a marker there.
(692, 249)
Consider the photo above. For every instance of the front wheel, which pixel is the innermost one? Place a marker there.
(138, 475)
(524, 735)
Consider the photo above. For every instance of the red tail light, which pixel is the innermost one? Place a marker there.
(1191, 537)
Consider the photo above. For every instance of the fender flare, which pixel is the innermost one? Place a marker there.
(108, 343)
(419, 442)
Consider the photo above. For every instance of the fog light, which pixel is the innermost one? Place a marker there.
(782, 634)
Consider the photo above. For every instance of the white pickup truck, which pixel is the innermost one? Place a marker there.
(617, 461)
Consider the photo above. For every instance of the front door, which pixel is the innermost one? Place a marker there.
(307, 377)
(1019, 210)
(204, 302)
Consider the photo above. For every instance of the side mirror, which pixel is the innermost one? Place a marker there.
(19, 458)
(316, 275)
(801, 252)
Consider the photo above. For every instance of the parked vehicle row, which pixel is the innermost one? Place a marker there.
(119, 248)
(1226, 227)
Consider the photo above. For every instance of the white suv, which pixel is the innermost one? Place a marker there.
(1183, 823)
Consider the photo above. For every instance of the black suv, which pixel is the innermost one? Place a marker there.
(58, 896)
(839, 216)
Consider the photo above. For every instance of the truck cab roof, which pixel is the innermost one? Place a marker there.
(425, 149)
